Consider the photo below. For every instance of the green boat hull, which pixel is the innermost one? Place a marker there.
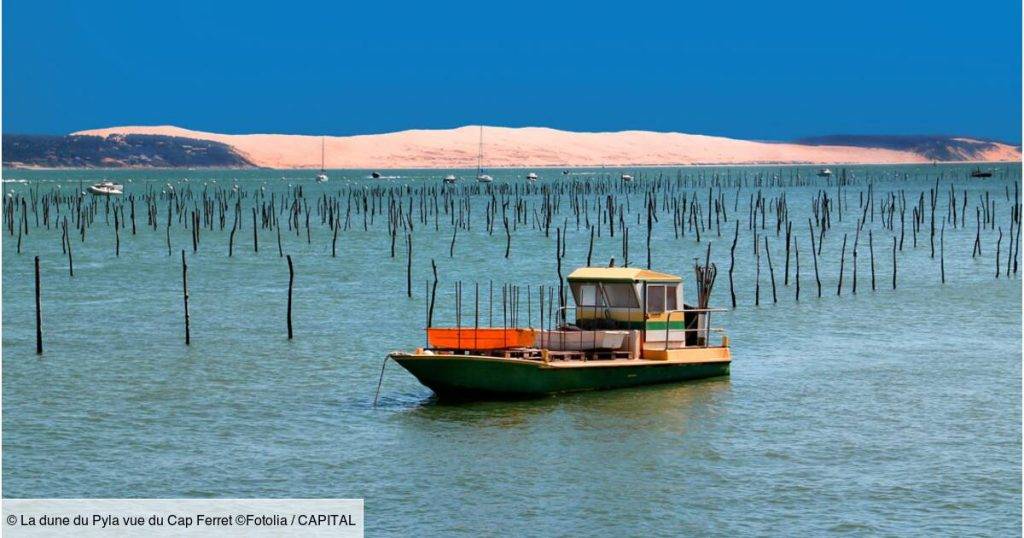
(485, 377)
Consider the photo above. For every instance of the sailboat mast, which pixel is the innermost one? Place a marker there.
(322, 142)
(480, 153)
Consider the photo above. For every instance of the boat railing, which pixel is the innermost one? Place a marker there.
(703, 330)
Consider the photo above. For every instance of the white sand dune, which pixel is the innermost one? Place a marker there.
(532, 147)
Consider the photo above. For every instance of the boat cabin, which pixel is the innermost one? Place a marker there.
(626, 298)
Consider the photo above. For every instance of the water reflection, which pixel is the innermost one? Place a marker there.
(665, 406)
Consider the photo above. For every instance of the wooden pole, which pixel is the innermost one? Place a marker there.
(590, 250)
(433, 295)
(998, 241)
(732, 263)
(894, 262)
(942, 252)
(255, 236)
(39, 313)
(184, 287)
(280, 249)
(771, 269)
(291, 284)
(67, 239)
(814, 253)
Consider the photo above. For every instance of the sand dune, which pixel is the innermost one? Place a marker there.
(533, 147)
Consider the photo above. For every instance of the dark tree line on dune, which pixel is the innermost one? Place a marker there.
(934, 147)
(118, 151)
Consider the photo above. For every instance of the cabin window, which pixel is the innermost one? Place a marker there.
(671, 293)
(655, 298)
(621, 295)
(588, 295)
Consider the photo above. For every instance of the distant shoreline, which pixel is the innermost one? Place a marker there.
(7, 166)
(556, 168)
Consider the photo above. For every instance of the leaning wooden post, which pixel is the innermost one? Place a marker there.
(732, 263)
(814, 254)
(291, 283)
(871, 248)
(184, 287)
(39, 314)
(771, 269)
(433, 295)
(67, 240)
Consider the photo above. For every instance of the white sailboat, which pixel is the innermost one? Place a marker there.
(322, 176)
(480, 175)
(531, 176)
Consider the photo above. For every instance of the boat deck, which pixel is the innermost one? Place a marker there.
(579, 359)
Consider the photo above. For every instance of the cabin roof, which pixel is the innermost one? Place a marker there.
(621, 274)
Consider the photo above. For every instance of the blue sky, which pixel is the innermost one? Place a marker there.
(760, 70)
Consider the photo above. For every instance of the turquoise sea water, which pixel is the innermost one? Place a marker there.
(884, 412)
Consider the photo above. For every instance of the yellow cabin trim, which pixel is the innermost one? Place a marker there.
(621, 274)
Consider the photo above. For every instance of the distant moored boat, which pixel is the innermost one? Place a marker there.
(322, 176)
(627, 177)
(978, 172)
(449, 179)
(107, 188)
(531, 176)
(824, 172)
(480, 175)
(375, 175)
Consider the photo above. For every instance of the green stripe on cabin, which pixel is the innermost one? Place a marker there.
(660, 325)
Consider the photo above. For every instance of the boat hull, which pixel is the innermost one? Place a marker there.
(464, 376)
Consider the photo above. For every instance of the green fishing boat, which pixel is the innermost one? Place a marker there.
(630, 328)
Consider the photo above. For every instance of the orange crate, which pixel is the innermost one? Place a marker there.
(484, 338)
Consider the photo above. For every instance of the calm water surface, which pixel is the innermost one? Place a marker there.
(887, 412)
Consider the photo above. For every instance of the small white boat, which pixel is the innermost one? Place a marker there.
(579, 340)
(484, 178)
(531, 176)
(627, 177)
(824, 172)
(449, 179)
(107, 188)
